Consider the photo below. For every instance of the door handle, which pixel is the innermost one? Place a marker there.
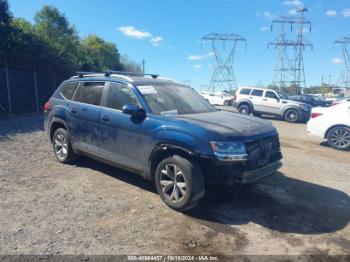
(251, 97)
(105, 118)
(73, 110)
(265, 99)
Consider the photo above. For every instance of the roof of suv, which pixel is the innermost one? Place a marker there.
(136, 80)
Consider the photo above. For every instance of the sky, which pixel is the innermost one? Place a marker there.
(167, 33)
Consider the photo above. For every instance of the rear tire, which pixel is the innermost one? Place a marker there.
(180, 182)
(62, 147)
(339, 138)
(244, 109)
(291, 116)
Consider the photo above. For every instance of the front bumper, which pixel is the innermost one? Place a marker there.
(261, 173)
(304, 116)
(230, 174)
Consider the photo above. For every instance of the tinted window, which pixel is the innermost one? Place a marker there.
(119, 95)
(245, 91)
(90, 93)
(66, 91)
(270, 94)
(257, 92)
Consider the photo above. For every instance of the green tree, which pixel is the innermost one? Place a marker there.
(53, 28)
(100, 55)
(5, 30)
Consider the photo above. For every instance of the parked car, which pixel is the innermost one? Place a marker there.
(310, 100)
(260, 101)
(333, 124)
(218, 98)
(342, 100)
(162, 130)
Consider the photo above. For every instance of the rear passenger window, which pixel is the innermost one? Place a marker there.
(257, 92)
(119, 95)
(68, 89)
(245, 91)
(90, 93)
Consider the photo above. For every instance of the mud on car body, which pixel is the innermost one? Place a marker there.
(162, 130)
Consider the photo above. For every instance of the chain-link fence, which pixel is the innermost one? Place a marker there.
(26, 91)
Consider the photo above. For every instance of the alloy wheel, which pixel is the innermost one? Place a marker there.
(340, 137)
(173, 183)
(61, 146)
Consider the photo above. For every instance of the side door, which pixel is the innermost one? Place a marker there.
(121, 138)
(272, 103)
(85, 111)
(256, 97)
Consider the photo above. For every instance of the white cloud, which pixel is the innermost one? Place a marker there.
(200, 57)
(346, 12)
(293, 11)
(264, 29)
(131, 31)
(293, 2)
(268, 14)
(155, 41)
(197, 66)
(337, 61)
(194, 57)
(331, 13)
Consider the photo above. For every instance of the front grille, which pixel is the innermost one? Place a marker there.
(263, 152)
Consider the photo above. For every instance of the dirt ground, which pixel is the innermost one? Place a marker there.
(91, 208)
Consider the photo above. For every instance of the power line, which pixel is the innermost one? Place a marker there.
(223, 77)
(289, 70)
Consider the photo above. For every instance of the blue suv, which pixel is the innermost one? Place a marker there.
(162, 130)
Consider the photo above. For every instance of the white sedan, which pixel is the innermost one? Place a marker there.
(332, 123)
(218, 98)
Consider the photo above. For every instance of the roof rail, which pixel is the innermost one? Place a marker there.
(109, 72)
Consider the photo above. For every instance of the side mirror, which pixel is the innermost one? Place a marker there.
(134, 110)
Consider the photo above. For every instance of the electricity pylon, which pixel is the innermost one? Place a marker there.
(223, 77)
(344, 79)
(289, 70)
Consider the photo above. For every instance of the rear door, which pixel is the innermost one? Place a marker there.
(85, 113)
(271, 103)
(256, 96)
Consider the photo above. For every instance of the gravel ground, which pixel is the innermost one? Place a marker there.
(91, 208)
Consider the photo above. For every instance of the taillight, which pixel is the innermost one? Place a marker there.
(314, 115)
(47, 107)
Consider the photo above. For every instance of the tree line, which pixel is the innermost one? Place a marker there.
(51, 43)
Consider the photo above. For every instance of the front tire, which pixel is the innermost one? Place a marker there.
(339, 138)
(62, 147)
(180, 182)
(291, 116)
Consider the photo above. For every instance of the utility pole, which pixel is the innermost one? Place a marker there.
(289, 70)
(223, 77)
(344, 79)
(143, 66)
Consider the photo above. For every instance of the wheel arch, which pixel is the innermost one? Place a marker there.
(163, 150)
(55, 124)
(333, 126)
(246, 102)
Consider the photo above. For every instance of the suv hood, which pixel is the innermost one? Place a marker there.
(231, 125)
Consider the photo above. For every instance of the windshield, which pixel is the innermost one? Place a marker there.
(282, 95)
(172, 99)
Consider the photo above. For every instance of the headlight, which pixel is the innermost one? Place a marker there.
(229, 151)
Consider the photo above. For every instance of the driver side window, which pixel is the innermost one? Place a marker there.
(270, 94)
(119, 95)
